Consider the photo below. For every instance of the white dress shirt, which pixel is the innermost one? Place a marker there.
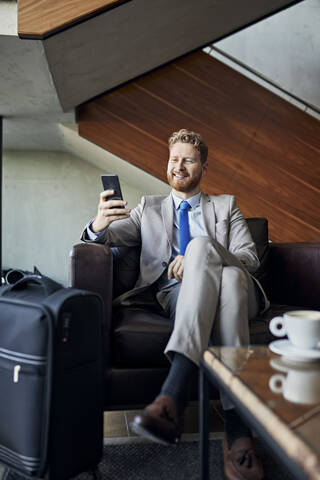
(196, 229)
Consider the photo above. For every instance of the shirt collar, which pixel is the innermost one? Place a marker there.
(193, 201)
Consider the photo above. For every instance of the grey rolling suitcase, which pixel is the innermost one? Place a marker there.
(51, 379)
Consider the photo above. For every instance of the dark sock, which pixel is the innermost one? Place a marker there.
(178, 381)
(235, 427)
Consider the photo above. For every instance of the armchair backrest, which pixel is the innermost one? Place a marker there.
(259, 231)
(126, 260)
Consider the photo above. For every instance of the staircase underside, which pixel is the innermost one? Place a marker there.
(261, 148)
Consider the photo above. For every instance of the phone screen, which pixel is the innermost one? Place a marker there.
(111, 182)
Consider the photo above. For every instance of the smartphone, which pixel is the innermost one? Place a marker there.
(111, 182)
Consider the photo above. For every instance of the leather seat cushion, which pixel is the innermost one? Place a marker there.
(139, 338)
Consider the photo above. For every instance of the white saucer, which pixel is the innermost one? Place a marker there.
(285, 347)
(287, 364)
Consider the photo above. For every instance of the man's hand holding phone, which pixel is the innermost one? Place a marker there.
(109, 211)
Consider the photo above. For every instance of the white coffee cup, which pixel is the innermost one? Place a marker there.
(300, 385)
(301, 326)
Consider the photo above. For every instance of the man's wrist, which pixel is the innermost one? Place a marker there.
(91, 234)
(95, 228)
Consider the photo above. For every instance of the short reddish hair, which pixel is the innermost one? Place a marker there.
(187, 136)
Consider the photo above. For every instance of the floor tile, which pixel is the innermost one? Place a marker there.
(129, 415)
(190, 419)
(115, 424)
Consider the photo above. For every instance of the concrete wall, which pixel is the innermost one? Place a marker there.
(47, 199)
(284, 49)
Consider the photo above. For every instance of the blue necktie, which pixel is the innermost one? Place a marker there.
(184, 234)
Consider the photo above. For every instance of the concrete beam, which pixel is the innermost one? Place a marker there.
(139, 36)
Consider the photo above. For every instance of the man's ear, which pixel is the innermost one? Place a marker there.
(204, 168)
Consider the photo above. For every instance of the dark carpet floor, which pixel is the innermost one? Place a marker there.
(151, 461)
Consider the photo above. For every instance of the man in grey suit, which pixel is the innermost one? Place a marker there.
(197, 257)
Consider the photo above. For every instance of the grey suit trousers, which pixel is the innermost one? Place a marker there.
(214, 301)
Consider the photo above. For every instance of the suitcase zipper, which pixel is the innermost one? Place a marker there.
(16, 371)
(22, 358)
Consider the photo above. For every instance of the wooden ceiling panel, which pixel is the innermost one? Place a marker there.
(212, 108)
(100, 126)
(210, 73)
(138, 108)
(40, 18)
(261, 148)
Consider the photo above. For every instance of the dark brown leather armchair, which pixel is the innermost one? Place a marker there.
(135, 366)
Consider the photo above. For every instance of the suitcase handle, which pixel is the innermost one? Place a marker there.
(49, 286)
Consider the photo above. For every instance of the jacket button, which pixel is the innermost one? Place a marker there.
(164, 264)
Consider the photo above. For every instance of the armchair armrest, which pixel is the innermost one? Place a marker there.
(91, 268)
(295, 272)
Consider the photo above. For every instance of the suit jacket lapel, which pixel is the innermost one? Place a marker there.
(208, 215)
(167, 216)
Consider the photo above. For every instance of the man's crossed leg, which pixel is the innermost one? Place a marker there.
(214, 301)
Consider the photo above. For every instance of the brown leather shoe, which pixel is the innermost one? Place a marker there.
(159, 421)
(241, 461)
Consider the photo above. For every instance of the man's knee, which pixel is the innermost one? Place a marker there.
(199, 250)
(233, 277)
(198, 245)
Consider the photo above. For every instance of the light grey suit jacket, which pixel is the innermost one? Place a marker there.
(151, 223)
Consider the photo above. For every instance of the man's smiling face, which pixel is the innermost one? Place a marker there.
(185, 170)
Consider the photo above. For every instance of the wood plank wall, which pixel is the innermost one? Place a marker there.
(261, 148)
(40, 18)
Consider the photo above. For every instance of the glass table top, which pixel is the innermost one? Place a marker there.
(290, 389)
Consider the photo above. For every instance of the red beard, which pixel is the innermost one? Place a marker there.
(187, 185)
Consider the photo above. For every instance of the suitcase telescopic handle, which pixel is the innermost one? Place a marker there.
(49, 286)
